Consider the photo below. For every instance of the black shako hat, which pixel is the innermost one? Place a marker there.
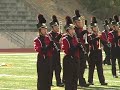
(77, 16)
(54, 21)
(115, 20)
(69, 23)
(106, 22)
(41, 22)
(93, 22)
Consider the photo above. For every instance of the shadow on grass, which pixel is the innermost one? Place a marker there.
(100, 88)
(96, 87)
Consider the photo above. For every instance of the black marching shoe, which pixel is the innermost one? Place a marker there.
(104, 83)
(60, 85)
(91, 83)
(115, 76)
(84, 85)
(52, 85)
(109, 63)
(104, 62)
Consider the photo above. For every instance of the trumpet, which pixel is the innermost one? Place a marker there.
(85, 35)
(99, 42)
(86, 40)
(60, 27)
(119, 32)
(85, 28)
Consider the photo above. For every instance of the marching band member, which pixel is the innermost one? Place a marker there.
(112, 38)
(43, 45)
(95, 54)
(106, 44)
(79, 23)
(71, 59)
(56, 62)
(118, 47)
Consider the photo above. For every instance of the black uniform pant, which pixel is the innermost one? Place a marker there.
(115, 54)
(107, 53)
(70, 70)
(43, 73)
(96, 60)
(56, 66)
(82, 66)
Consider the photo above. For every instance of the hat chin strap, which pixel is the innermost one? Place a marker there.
(54, 30)
(95, 32)
(41, 34)
(70, 34)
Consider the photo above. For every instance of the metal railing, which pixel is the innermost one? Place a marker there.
(31, 5)
(13, 37)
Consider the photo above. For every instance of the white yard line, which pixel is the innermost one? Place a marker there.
(15, 76)
(13, 89)
(115, 81)
(18, 54)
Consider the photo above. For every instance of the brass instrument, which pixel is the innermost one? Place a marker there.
(99, 42)
(85, 35)
(85, 28)
(83, 20)
(119, 32)
(86, 40)
(60, 27)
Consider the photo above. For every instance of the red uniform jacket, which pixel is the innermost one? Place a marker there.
(55, 36)
(111, 38)
(38, 46)
(94, 42)
(104, 37)
(66, 46)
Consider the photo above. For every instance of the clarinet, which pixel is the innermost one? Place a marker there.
(54, 44)
(82, 47)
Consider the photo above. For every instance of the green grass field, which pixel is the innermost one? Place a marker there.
(18, 72)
